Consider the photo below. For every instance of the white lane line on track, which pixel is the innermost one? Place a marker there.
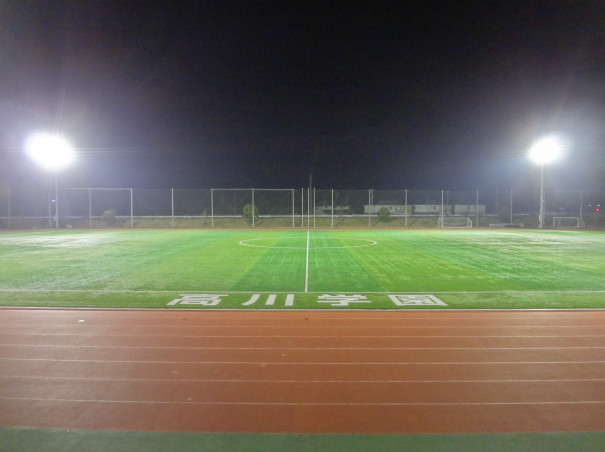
(70, 313)
(147, 347)
(345, 404)
(248, 380)
(349, 315)
(320, 363)
(359, 316)
(213, 336)
(264, 327)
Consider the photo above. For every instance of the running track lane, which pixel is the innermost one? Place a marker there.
(303, 371)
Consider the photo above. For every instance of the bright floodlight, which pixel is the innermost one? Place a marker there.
(546, 149)
(49, 150)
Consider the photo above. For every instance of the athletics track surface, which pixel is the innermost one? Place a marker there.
(304, 372)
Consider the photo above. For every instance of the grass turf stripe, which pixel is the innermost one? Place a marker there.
(49, 440)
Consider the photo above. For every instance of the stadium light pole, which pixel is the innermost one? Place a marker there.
(545, 150)
(52, 152)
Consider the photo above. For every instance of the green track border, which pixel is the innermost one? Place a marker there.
(51, 440)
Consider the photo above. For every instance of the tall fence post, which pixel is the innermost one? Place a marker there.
(212, 207)
(8, 205)
(90, 208)
(477, 209)
(369, 208)
(442, 207)
(293, 208)
(511, 207)
(302, 207)
(131, 210)
(314, 209)
(581, 208)
(49, 206)
(309, 208)
(56, 201)
(253, 209)
(406, 208)
(172, 205)
(332, 210)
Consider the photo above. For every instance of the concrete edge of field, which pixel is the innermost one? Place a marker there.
(51, 440)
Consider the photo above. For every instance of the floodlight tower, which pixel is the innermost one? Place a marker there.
(52, 152)
(546, 150)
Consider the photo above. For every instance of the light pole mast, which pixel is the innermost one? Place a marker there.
(52, 152)
(541, 215)
(545, 150)
(56, 200)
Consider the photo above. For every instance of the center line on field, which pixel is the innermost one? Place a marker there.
(307, 266)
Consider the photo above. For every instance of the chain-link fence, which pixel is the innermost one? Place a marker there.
(36, 206)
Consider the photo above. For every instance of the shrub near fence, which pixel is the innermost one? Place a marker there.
(288, 208)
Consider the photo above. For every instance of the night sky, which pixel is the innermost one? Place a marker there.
(406, 94)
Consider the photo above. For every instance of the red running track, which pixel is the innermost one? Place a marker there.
(303, 371)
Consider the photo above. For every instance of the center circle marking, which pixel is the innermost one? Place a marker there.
(364, 242)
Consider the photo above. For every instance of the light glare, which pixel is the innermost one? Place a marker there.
(547, 149)
(49, 150)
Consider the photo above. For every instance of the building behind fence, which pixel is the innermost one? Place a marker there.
(32, 207)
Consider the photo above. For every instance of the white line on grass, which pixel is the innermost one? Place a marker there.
(307, 266)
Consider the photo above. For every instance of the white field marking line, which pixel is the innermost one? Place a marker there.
(146, 347)
(345, 404)
(326, 363)
(461, 292)
(307, 265)
(331, 327)
(248, 380)
(369, 243)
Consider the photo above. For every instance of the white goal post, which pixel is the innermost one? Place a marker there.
(566, 222)
(454, 222)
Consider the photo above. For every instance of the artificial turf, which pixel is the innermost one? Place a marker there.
(30, 440)
(151, 268)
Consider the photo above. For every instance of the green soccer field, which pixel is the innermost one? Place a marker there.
(300, 269)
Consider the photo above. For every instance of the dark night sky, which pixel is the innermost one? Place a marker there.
(408, 94)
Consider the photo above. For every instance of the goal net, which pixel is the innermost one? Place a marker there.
(454, 222)
(566, 222)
